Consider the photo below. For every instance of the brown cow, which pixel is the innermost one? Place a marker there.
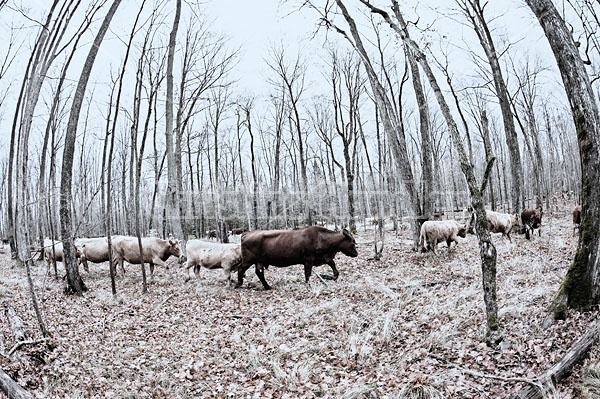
(310, 246)
(212, 255)
(435, 231)
(576, 218)
(211, 234)
(531, 219)
(155, 251)
(238, 231)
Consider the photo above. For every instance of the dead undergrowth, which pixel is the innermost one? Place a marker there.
(408, 326)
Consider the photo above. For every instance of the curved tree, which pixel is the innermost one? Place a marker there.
(75, 284)
(581, 287)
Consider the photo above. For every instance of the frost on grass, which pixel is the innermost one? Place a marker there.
(410, 325)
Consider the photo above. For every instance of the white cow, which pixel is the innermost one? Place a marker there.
(212, 256)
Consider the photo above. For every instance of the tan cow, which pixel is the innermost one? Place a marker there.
(155, 251)
(436, 231)
(212, 255)
(94, 250)
(55, 252)
(501, 222)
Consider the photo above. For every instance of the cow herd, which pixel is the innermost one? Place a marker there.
(309, 246)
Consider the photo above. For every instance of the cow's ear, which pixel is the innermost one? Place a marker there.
(347, 233)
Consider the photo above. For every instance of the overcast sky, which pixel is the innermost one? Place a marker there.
(255, 26)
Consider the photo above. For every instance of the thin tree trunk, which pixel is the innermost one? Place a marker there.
(486, 247)
(392, 127)
(426, 150)
(172, 199)
(512, 141)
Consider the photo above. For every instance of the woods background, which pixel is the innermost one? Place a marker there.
(307, 149)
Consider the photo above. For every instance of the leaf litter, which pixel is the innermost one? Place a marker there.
(410, 325)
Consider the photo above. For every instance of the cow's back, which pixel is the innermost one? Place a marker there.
(278, 247)
(128, 248)
(94, 249)
(200, 252)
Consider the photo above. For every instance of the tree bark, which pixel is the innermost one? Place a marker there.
(75, 284)
(426, 150)
(11, 388)
(487, 249)
(390, 120)
(172, 200)
(582, 282)
(512, 141)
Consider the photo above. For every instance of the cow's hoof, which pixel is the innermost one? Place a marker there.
(267, 287)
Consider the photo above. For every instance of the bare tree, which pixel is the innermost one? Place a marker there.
(486, 247)
(475, 12)
(581, 287)
(75, 284)
(391, 120)
(173, 156)
(347, 83)
(291, 78)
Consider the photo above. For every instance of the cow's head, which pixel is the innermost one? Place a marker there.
(174, 247)
(348, 244)
(462, 230)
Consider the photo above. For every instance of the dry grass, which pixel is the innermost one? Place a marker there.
(407, 326)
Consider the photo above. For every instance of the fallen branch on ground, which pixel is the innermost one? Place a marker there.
(23, 343)
(11, 388)
(546, 382)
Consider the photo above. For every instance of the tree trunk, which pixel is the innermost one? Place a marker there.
(172, 199)
(582, 282)
(74, 282)
(426, 150)
(486, 247)
(512, 141)
(11, 388)
(391, 122)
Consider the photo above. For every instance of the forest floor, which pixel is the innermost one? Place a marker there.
(409, 320)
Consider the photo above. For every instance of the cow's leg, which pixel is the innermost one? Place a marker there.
(307, 271)
(259, 269)
(196, 271)
(227, 272)
(331, 263)
(118, 260)
(241, 273)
